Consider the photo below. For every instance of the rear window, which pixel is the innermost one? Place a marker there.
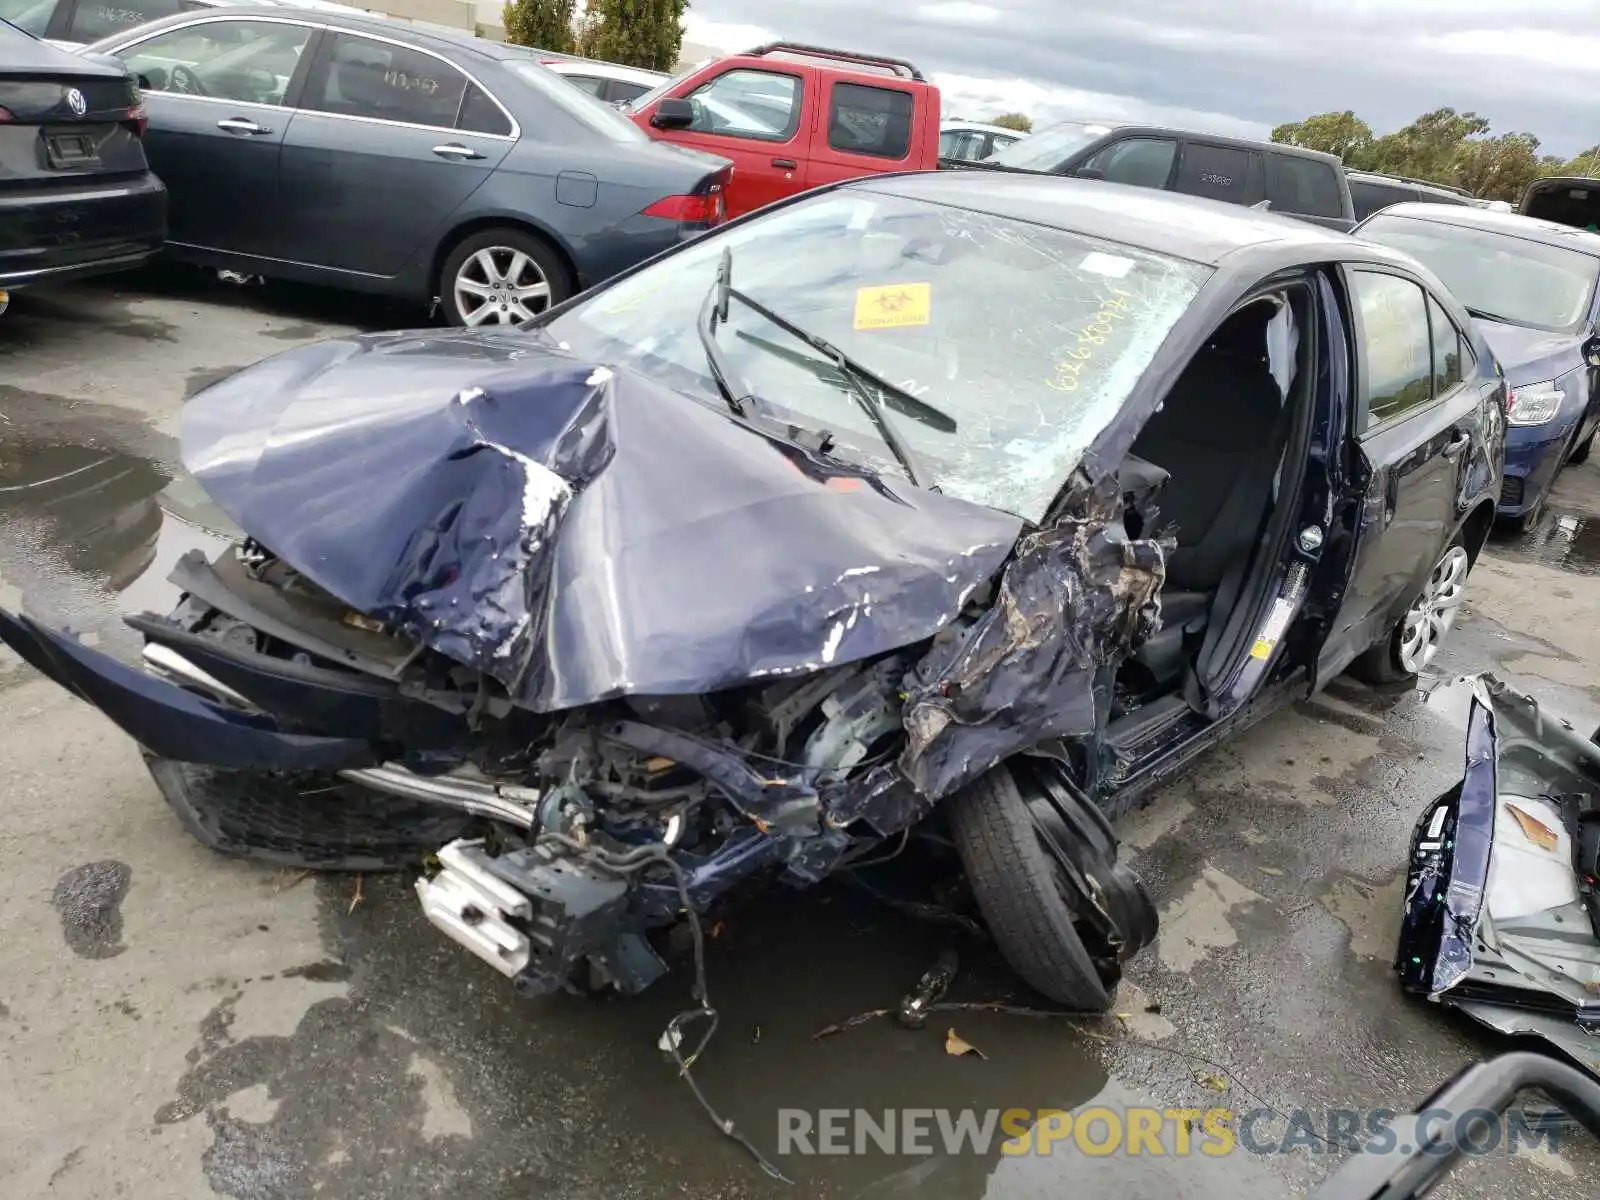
(1371, 196)
(597, 118)
(30, 16)
(1304, 186)
(870, 120)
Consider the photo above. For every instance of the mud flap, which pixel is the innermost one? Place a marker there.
(170, 722)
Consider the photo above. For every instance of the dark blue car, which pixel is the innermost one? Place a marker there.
(1530, 286)
(368, 154)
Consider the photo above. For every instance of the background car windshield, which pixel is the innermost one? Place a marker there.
(1030, 338)
(1049, 148)
(1520, 281)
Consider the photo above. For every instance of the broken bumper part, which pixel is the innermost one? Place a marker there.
(169, 721)
(1495, 922)
(534, 915)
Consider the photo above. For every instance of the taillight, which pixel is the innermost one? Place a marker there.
(701, 210)
(5, 116)
(138, 120)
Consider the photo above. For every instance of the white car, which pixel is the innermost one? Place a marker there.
(611, 82)
(971, 141)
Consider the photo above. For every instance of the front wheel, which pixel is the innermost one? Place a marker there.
(302, 821)
(1043, 869)
(501, 276)
(1415, 643)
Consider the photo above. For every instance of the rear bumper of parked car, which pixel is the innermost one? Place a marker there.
(632, 242)
(53, 233)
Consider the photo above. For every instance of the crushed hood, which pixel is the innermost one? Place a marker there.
(1532, 355)
(574, 531)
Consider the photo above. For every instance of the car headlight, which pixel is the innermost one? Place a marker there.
(1534, 403)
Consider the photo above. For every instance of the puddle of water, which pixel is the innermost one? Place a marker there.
(1565, 538)
(790, 964)
(88, 532)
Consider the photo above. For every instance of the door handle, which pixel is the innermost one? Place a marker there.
(1459, 441)
(241, 125)
(456, 151)
(788, 164)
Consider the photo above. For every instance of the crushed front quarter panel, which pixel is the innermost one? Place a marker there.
(576, 533)
(1078, 597)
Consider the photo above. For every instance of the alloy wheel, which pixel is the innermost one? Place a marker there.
(1431, 616)
(500, 285)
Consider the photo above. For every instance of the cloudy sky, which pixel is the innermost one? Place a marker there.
(1237, 67)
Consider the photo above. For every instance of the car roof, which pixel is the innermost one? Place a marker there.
(1188, 227)
(1512, 224)
(1215, 139)
(981, 127)
(340, 18)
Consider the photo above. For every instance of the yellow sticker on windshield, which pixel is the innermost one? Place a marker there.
(894, 306)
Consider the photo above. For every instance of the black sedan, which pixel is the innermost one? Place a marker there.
(980, 499)
(76, 194)
(377, 156)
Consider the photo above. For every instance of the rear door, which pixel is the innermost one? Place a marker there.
(1414, 419)
(1220, 172)
(862, 129)
(761, 119)
(217, 91)
(389, 139)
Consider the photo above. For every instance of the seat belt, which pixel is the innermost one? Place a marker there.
(1241, 499)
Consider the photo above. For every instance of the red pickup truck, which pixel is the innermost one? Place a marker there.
(792, 117)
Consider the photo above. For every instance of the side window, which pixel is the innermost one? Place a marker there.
(625, 91)
(95, 19)
(586, 83)
(870, 120)
(1397, 366)
(1143, 162)
(245, 61)
(1000, 141)
(364, 78)
(965, 144)
(764, 105)
(1218, 172)
(1304, 186)
(479, 114)
(1449, 353)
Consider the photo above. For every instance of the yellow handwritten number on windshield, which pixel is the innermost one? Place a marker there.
(1091, 336)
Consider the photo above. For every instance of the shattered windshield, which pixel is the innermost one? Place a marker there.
(1497, 275)
(1029, 339)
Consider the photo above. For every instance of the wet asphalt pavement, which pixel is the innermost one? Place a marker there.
(174, 1024)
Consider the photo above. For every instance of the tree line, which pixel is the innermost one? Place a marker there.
(1442, 146)
(637, 33)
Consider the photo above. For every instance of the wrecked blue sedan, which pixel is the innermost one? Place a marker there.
(964, 506)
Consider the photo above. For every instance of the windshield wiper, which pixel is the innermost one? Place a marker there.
(1484, 315)
(856, 377)
(712, 313)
